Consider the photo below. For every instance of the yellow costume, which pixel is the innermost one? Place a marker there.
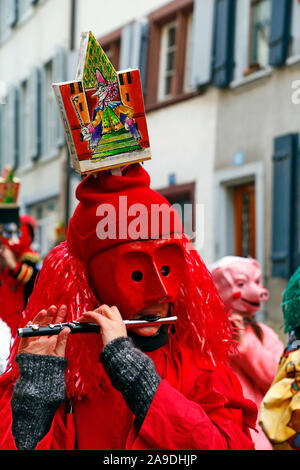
(280, 409)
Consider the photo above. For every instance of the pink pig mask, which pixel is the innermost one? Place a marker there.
(239, 282)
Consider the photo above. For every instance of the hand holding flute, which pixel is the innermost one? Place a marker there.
(48, 346)
(109, 320)
(104, 320)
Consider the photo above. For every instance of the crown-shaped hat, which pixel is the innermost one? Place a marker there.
(102, 112)
(9, 188)
(9, 191)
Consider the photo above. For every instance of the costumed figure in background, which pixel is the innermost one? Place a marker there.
(108, 115)
(239, 282)
(18, 262)
(280, 409)
(147, 387)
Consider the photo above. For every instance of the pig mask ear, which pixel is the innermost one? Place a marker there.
(255, 263)
(222, 277)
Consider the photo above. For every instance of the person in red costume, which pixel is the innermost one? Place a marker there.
(18, 265)
(239, 282)
(151, 387)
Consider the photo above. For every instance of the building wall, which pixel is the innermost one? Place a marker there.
(31, 43)
(250, 116)
(35, 40)
(110, 15)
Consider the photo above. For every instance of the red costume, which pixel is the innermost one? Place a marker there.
(16, 285)
(199, 403)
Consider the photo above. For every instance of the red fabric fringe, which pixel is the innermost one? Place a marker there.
(202, 325)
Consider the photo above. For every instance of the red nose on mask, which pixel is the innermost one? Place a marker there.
(236, 295)
(135, 275)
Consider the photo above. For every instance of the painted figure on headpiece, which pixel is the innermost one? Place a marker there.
(109, 115)
(239, 282)
(280, 409)
(102, 112)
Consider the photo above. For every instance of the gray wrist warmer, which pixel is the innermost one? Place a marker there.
(132, 373)
(37, 394)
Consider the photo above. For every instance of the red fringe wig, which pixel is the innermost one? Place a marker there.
(202, 326)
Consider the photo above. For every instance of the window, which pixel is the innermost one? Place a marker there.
(167, 61)
(12, 13)
(260, 20)
(244, 205)
(169, 55)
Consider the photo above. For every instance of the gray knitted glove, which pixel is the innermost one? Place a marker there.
(132, 373)
(37, 394)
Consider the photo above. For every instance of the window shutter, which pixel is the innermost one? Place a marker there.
(126, 46)
(59, 75)
(203, 26)
(10, 136)
(134, 45)
(34, 104)
(44, 112)
(12, 13)
(280, 31)
(224, 42)
(17, 126)
(296, 208)
(143, 53)
(285, 148)
(4, 131)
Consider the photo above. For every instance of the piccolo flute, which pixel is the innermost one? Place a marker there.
(78, 327)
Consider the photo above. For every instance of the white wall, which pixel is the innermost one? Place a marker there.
(31, 44)
(182, 139)
(35, 41)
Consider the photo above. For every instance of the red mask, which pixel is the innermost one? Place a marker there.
(136, 275)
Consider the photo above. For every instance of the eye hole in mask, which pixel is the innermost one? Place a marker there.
(165, 270)
(137, 276)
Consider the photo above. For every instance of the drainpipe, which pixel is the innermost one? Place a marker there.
(68, 169)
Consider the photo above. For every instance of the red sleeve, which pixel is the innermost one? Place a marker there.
(61, 435)
(180, 423)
